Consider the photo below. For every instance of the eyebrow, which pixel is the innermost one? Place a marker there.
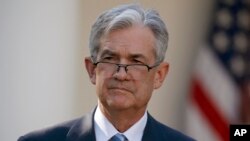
(131, 56)
(107, 52)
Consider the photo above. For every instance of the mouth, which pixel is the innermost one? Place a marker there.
(120, 89)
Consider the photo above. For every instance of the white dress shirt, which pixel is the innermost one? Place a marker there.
(104, 130)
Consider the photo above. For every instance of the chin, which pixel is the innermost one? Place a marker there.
(119, 105)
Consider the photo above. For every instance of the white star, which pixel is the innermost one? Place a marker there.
(237, 65)
(229, 2)
(243, 19)
(221, 41)
(224, 18)
(240, 42)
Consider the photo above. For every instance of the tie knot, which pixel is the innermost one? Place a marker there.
(118, 137)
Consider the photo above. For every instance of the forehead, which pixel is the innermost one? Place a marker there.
(132, 40)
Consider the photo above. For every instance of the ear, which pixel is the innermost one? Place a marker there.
(90, 67)
(161, 74)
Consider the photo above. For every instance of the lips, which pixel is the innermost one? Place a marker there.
(113, 84)
(120, 88)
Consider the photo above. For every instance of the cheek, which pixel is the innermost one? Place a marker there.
(101, 82)
(145, 88)
(147, 81)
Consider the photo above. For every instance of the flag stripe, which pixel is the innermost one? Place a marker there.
(216, 120)
(221, 70)
(219, 84)
(197, 125)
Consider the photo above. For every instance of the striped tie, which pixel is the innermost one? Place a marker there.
(118, 137)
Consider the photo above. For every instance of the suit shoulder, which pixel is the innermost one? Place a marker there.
(54, 133)
(169, 133)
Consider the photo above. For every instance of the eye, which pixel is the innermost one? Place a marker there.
(108, 58)
(137, 61)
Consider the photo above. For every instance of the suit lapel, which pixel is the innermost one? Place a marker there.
(150, 131)
(83, 130)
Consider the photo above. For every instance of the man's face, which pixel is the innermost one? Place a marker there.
(118, 89)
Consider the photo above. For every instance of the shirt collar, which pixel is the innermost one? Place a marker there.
(104, 130)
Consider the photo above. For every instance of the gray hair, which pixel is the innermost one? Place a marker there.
(123, 17)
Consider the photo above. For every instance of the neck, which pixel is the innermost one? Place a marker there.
(122, 120)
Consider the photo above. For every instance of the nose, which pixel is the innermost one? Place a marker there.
(121, 73)
(122, 66)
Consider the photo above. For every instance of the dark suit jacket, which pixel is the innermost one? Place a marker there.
(82, 129)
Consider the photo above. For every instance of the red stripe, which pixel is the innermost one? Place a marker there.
(209, 110)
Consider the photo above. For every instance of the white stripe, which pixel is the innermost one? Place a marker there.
(197, 126)
(217, 83)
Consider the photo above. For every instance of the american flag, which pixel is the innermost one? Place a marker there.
(220, 87)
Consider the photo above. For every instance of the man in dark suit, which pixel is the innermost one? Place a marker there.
(127, 47)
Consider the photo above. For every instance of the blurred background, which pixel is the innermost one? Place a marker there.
(43, 80)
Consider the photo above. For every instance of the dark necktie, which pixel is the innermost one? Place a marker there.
(118, 137)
